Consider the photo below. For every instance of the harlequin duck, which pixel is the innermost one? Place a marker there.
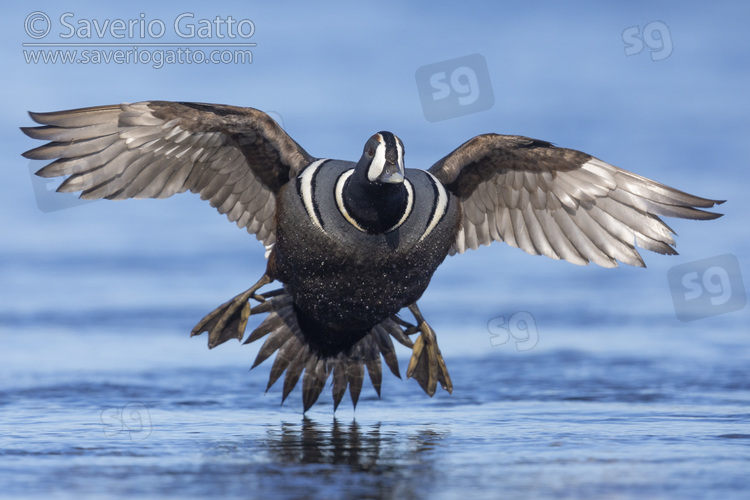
(355, 243)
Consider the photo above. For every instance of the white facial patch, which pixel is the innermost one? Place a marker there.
(378, 161)
(400, 151)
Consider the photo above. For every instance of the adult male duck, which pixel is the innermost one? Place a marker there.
(354, 243)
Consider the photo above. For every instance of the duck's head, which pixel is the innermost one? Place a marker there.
(382, 160)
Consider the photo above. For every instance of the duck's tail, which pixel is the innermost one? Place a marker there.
(295, 355)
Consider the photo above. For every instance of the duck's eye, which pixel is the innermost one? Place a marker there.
(371, 152)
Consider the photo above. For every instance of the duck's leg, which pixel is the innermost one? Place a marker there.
(427, 365)
(229, 320)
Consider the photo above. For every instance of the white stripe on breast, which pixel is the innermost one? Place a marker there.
(409, 204)
(307, 194)
(340, 182)
(441, 205)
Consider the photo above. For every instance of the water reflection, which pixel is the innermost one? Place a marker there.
(360, 448)
(365, 461)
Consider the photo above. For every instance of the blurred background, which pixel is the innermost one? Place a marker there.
(95, 292)
(675, 110)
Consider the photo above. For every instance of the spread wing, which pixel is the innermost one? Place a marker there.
(559, 202)
(237, 158)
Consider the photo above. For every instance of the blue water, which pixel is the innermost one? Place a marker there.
(105, 396)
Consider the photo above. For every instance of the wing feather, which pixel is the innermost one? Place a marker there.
(236, 158)
(559, 202)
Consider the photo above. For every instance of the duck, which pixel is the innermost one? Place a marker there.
(355, 244)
